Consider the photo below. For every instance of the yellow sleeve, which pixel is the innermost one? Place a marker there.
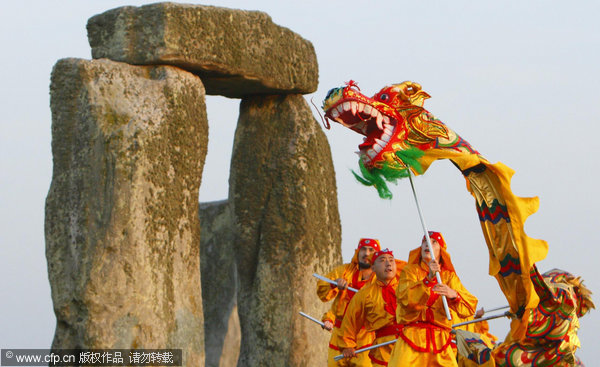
(412, 293)
(466, 304)
(327, 291)
(354, 320)
(483, 328)
(328, 316)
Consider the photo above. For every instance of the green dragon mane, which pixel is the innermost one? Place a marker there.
(378, 177)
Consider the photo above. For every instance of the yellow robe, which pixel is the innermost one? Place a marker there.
(326, 292)
(368, 310)
(425, 338)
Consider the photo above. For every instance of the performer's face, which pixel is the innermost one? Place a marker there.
(425, 255)
(385, 268)
(364, 254)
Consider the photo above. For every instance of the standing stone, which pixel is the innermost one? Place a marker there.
(122, 229)
(283, 191)
(235, 52)
(219, 281)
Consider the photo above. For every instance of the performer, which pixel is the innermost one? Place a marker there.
(374, 308)
(355, 274)
(425, 338)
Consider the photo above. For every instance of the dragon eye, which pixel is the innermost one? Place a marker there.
(384, 97)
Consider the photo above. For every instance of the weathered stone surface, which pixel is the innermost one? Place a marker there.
(283, 191)
(122, 228)
(219, 278)
(235, 52)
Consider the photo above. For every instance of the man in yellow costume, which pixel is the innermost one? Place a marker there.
(374, 308)
(425, 338)
(355, 275)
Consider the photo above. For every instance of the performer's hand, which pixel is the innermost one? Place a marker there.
(328, 325)
(348, 353)
(479, 313)
(434, 267)
(341, 283)
(444, 290)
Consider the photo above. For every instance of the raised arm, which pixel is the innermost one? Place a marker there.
(327, 291)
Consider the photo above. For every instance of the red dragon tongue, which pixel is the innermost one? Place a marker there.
(370, 139)
(365, 144)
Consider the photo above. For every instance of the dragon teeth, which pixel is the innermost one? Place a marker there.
(371, 153)
(367, 109)
(340, 109)
(386, 137)
(353, 107)
(379, 121)
(386, 120)
(335, 113)
(380, 142)
(346, 106)
(361, 107)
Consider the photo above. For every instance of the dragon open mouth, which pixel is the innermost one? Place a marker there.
(397, 131)
(365, 116)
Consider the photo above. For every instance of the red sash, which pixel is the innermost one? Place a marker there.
(377, 361)
(430, 346)
(392, 329)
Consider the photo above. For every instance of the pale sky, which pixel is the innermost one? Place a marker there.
(516, 79)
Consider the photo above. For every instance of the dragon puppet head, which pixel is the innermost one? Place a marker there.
(381, 118)
(397, 130)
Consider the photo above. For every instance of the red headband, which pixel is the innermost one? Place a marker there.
(379, 253)
(438, 237)
(371, 242)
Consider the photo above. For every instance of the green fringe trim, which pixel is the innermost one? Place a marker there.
(411, 157)
(378, 177)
